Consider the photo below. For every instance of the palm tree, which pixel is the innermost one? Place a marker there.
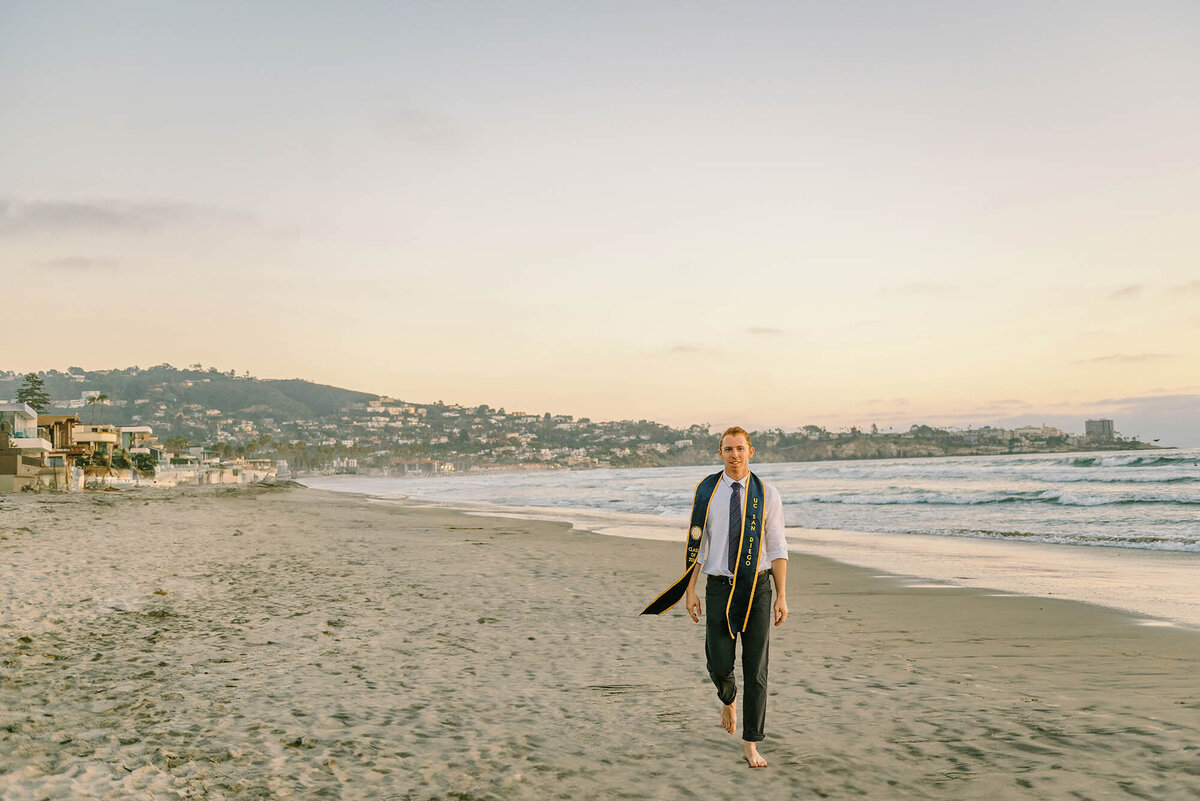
(95, 399)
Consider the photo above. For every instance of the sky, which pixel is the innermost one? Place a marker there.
(766, 213)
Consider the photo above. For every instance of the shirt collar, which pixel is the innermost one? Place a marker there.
(729, 482)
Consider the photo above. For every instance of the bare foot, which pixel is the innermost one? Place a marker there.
(729, 717)
(751, 755)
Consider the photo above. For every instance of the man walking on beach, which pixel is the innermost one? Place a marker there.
(736, 539)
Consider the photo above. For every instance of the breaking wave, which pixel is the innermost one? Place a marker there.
(1139, 542)
(1128, 460)
(1046, 496)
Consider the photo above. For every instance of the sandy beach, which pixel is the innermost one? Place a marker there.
(292, 643)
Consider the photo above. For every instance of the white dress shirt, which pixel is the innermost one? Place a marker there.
(714, 549)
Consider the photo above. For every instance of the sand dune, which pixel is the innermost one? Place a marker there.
(290, 643)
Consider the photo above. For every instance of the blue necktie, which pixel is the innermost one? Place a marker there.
(735, 524)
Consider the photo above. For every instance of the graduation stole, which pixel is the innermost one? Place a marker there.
(745, 576)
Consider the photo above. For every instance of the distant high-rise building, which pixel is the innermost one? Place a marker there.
(1099, 430)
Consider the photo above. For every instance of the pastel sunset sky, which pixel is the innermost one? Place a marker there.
(775, 213)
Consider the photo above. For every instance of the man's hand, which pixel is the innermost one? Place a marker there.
(781, 610)
(693, 605)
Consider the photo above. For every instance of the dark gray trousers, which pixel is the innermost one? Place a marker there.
(719, 650)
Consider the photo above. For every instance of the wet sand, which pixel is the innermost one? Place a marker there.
(289, 643)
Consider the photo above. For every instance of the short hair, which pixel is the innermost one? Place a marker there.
(734, 431)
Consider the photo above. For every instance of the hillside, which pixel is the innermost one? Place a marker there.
(169, 390)
(316, 427)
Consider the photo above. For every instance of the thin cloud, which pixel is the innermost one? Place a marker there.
(1190, 286)
(1128, 291)
(19, 216)
(77, 264)
(764, 331)
(1128, 358)
(1155, 392)
(1146, 400)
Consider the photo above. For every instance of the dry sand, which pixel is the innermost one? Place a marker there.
(287, 643)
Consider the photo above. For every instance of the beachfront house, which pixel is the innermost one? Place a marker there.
(22, 451)
(21, 419)
(204, 456)
(137, 437)
(414, 467)
(59, 430)
(99, 438)
(141, 440)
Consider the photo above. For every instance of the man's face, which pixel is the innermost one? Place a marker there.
(736, 453)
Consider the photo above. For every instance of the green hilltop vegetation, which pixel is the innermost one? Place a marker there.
(319, 427)
(226, 391)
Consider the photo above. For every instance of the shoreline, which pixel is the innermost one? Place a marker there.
(1155, 585)
(296, 643)
(534, 468)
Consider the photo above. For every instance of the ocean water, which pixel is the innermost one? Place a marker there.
(1115, 529)
(1146, 500)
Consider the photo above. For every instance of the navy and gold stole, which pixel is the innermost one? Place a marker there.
(745, 577)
